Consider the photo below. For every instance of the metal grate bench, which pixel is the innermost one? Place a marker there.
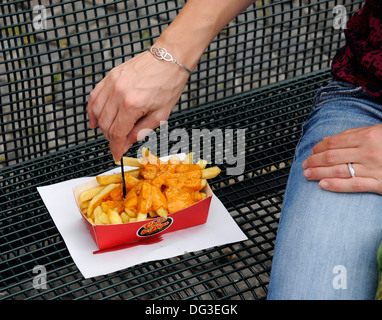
(259, 74)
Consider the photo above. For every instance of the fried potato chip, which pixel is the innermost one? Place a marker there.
(162, 212)
(124, 217)
(152, 214)
(99, 197)
(174, 160)
(144, 199)
(141, 216)
(131, 213)
(134, 173)
(84, 205)
(105, 180)
(211, 172)
(202, 163)
(90, 193)
(100, 217)
(148, 157)
(189, 158)
(131, 162)
(114, 217)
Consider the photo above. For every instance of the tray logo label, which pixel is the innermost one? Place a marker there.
(154, 227)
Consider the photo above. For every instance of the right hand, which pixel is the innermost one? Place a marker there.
(133, 99)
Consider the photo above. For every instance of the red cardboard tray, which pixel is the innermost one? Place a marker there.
(106, 236)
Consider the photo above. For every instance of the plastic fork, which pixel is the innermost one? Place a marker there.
(123, 180)
(146, 241)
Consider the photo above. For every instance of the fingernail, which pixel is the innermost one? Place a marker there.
(116, 156)
(307, 173)
(324, 184)
(93, 124)
(305, 164)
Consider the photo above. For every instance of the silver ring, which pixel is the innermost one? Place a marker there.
(351, 169)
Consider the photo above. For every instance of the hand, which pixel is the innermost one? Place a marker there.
(133, 99)
(362, 147)
(142, 92)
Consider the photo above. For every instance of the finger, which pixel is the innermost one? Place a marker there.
(356, 184)
(123, 124)
(97, 105)
(341, 171)
(346, 139)
(331, 158)
(117, 142)
(109, 114)
(94, 105)
(337, 171)
(142, 128)
(99, 96)
(145, 126)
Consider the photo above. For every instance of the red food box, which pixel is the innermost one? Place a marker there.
(107, 236)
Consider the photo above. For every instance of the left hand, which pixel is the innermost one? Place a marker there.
(362, 147)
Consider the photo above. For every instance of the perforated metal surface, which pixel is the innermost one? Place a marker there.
(237, 271)
(259, 74)
(47, 74)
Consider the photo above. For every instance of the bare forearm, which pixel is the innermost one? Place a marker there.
(196, 26)
(141, 92)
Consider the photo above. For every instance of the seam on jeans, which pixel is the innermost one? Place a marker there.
(357, 92)
(333, 85)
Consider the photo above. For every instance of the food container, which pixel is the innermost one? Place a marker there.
(107, 236)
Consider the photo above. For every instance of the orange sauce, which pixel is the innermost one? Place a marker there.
(178, 198)
(131, 199)
(162, 185)
(144, 198)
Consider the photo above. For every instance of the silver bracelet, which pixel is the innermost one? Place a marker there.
(162, 54)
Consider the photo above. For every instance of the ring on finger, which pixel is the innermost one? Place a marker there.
(351, 169)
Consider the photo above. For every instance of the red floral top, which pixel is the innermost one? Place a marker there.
(360, 60)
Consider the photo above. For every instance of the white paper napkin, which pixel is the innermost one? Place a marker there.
(219, 229)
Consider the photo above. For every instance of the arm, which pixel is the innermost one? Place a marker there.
(196, 26)
(140, 93)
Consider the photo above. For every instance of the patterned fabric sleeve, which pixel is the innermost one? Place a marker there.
(360, 60)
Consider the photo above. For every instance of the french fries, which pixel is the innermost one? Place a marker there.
(131, 162)
(210, 173)
(116, 178)
(155, 189)
(99, 197)
(89, 194)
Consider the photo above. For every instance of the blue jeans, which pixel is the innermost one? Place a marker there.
(327, 242)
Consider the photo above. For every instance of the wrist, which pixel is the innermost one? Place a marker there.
(186, 54)
(163, 54)
(197, 24)
(191, 32)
